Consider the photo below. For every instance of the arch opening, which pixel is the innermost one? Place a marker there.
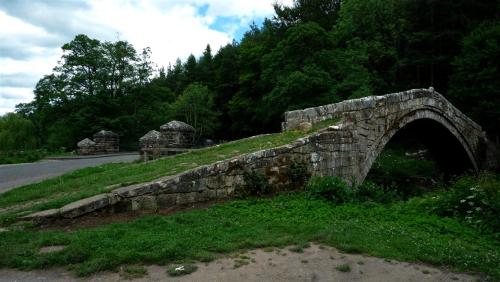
(444, 148)
(419, 155)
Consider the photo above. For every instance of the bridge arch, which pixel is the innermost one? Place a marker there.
(419, 115)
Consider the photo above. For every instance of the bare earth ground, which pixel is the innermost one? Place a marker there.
(316, 263)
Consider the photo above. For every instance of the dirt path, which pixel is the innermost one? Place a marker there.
(314, 264)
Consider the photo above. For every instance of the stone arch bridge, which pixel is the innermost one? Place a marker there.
(346, 149)
(367, 124)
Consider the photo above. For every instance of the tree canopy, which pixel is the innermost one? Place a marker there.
(310, 53)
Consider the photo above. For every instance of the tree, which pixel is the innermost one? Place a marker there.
(196, 107)
(475, 81)
(205, 67)
(435, 29)
(323, 12)
(17, 133)
(297, 70)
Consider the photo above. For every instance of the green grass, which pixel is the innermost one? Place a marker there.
(73, 186)
(398, 231)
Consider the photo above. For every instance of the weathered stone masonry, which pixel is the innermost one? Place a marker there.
(347, 149)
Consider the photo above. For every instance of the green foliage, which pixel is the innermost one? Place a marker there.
(196, 107)
(25, 156)
(332, 189)
(475, 81)
(474, 199)
(17, 133)
(256, 183)
(324, 12)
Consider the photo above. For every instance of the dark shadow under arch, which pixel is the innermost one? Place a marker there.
(450, 148)
(446, 150)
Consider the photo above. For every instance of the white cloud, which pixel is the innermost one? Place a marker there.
(30, 45)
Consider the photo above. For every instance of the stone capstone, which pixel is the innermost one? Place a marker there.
(176, 125)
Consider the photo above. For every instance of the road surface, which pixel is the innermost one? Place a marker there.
(15, 175)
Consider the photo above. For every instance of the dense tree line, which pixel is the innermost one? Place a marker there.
(315, 52)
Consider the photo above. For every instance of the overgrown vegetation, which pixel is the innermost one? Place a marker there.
(403, 231)
(473, 199)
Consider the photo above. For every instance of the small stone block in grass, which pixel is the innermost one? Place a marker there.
(51, 249)
(343, 268)
(181, 269)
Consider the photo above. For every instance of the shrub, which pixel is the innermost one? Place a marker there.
(475, 199)
(370, 191)
(256, 183)
(329, 188)
(12, 157)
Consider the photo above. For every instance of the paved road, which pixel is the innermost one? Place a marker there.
(12, 176)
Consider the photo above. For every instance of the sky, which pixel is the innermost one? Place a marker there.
(33, 31)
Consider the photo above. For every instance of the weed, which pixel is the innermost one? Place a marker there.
(268, 249)
(298, 173)
(239, 263)
(343, 267)
(133, 271)
(256, 183)
(296, 249)
(332, 189)
(299, 248)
